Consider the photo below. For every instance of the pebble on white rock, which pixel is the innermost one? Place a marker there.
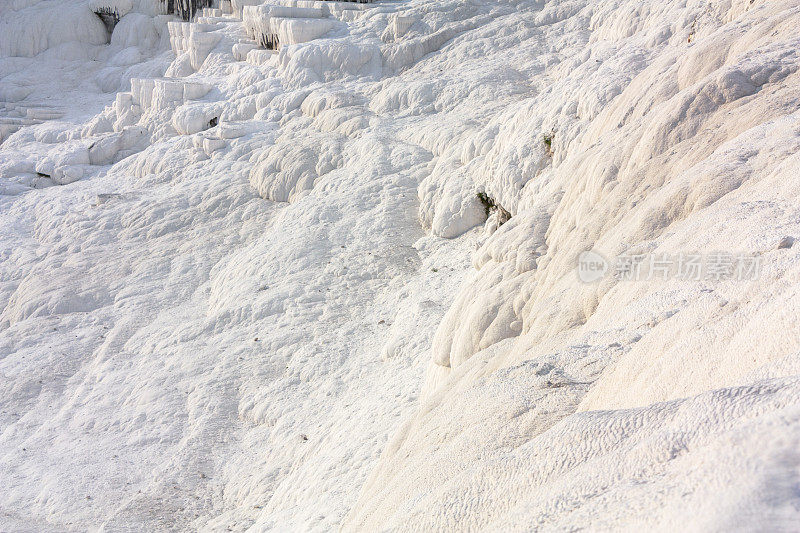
(194, 117)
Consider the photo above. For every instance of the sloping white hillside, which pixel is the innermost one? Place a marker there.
(306, 265)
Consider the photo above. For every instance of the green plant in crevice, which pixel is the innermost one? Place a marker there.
(487, 201)
(547, 139)
(490, 206)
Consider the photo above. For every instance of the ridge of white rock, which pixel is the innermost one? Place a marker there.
(334, 286)
(274, 26)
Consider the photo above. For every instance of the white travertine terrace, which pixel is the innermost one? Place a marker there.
(334, 286)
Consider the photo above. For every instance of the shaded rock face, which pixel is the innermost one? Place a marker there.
(269, 41)
(110, 18)
(185, 9)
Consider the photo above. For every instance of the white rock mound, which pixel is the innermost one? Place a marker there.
(338, 284)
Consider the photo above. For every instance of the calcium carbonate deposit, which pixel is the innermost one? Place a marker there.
(455, 265)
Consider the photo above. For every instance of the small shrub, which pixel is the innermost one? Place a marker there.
(490, 206)
(110, 18)
(547, 139)
(487, 201)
